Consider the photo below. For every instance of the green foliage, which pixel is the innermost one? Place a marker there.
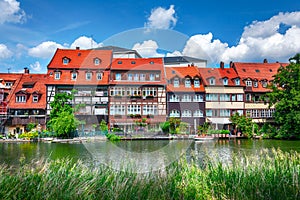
(29, 135)
(285, 96)
(211, 131)
(113, 137)
(165, 126)
(116, 129)
(103, 126)
(271, 176)
(203, 129)
(30, 126)
(174, 123)
(243, 123)
(62, 120)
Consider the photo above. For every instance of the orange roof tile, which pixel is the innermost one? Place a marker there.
(137, 64)
(182, 72)
(80, 59)
(219, 74)
(38, 83)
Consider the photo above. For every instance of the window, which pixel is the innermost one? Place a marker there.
(212, 97)
(133, 62)
(186, 113)
(174, 98)
(187, 83)
(240, 97)
(237, 81)
(198, 98)
(233, 97)
(186, 98)
(209, 113)
(21, 99)
(255, 84)
(225, 113)
(225, 81)
(149, 91)
(66, 61)
(176, 82)
(248, 97)
(74, 76)
(142, 77)
(88, 76)
(117, 91)
(196, 83)
(8, 84)
(248, 83)
(198, 113)
(151, 77)
(224, 97)
(254, 114)
(264, 84)
(99, 75)
(118, 76)
(97, 61)
(212, 81)
(241, 112)
(133, 91)
(117, 110)
(129, 77)
(149, 110)
(119, 62)
(136, 77)
(35, 98)
(133, 109)
(57, 75)
(175, 113)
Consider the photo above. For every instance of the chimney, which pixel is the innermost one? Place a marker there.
(222, 65)
(231, 64)
(77, 48)
(265, 60)
(26, 70)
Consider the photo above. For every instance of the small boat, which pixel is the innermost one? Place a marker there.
(203, 138)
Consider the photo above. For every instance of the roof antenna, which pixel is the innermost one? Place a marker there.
(91, 41)
(8, 70)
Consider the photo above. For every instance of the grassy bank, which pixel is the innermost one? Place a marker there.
(274, 176)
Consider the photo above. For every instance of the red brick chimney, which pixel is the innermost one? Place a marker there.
(265, 60)
(77, 48)
(222, 65)
(26, 70)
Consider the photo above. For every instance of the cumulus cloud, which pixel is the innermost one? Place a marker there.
(44, 50)
(36, 66)
(5, 52)
(11, 12)
(147, 49)
(85, 43)
(261, 39)
(162, 18)
(174, 53)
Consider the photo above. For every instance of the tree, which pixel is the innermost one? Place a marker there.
(62, 120)
(243, 123)
(285, 96)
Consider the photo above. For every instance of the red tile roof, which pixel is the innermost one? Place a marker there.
(258, 72)
(182, 72)
(80, 59)
(38, 81)
(219, 74)
(9, 77)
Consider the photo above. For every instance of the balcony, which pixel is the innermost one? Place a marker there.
(27, 120)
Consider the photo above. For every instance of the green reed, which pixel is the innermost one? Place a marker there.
(268, 175)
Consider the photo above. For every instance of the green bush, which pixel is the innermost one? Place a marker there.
(113, 137)
(29, 135)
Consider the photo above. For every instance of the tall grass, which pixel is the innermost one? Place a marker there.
(268, 176)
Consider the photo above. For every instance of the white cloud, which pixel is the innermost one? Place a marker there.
(36, 66)
(5, 52)
(147, 49)
(85, 43)
(11, 12)
(162, 18)
(261, 39)
(44, 50)
(174, 53)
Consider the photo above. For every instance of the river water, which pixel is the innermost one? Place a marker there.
(146, 154)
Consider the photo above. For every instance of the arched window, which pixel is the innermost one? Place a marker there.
(186, 98)
(175, 113)
(174, 98)
(197, 83)
(186, 113)
(225, 81)
(97, 61)
(212, 81)
(187, 82)
(198, 113)
(176, 82)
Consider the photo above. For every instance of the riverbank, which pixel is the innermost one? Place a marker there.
(274, 176)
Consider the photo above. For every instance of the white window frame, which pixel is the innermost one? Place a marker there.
(237, 81)
(176, 82)
(150, 91)
(142, 77)
(198, 113)
(225, 81)
(186, 98)
(212, 81)
(74, 76)
(175, 113)
(136, 77)
(66, 61)
(21, 99)
(56, 75)
(198, 98)
(174, 98)
(133, 109)
(197, 83)
(149, 110)
(99, 75)
(129, 77)
(97, 61)
(118, 76)
(187, 83)
(35, 98)
(117, 109)
(186, 113)
(151, 77)
(248, 83)
(255, 84)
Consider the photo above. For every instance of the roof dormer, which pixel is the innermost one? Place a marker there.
(66, 60)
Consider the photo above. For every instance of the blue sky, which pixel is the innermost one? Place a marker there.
(231, 30)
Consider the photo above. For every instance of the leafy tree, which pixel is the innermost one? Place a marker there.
(243, 123)
(174, 123)
(285, 96)
(62, 120)
(103, 126)
(204, 128)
